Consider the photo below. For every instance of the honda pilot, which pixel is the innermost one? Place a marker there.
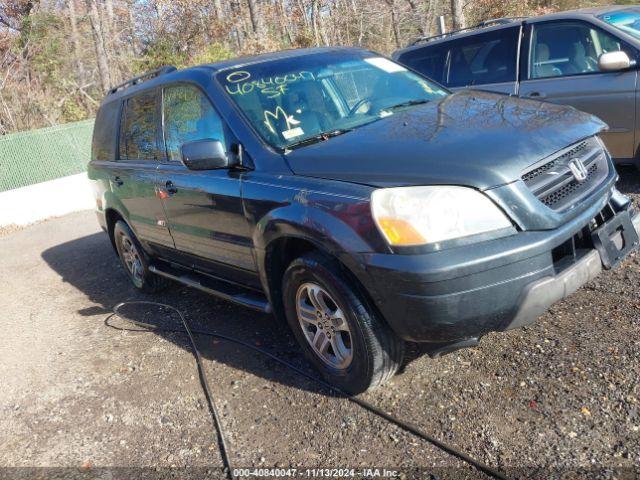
(363, 203)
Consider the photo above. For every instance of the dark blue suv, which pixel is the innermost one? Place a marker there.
(364, 203)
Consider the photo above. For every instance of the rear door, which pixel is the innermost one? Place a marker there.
(204, 208)
(562, 67)
(133, 176)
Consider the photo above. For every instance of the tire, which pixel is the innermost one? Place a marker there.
(135, 261)
(363, 352)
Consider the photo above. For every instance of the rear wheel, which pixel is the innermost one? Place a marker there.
(135, 261)
(340, 333)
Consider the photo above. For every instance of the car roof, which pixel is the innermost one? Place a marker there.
(587, 11)
(279, 55)
(508, 22)
(168, 74)
(423, 42)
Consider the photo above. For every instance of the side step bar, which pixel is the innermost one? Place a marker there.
(219, 288)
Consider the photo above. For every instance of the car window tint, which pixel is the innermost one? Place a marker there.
(138, 128)
(104, 133)
(430, 61)
(484, 58)
(188, 116)
(569, 48)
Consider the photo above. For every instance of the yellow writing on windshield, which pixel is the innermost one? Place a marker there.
(240, 83)
(279, 115)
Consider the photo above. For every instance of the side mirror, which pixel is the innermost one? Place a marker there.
(614, 61)
(207, 154)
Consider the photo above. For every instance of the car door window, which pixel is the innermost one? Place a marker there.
(485, 58)
(569, 48)
(138, 128)
(188, 116)
(429, 61)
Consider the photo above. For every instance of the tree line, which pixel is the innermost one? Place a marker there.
(59, 57)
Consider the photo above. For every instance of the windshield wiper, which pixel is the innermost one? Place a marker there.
(408, 103)
(321, 137)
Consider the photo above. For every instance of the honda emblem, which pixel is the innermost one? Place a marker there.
(578, 169)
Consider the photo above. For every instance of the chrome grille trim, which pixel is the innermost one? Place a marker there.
(552, 181)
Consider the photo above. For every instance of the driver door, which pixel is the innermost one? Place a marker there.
(204, 208)
(563, 68)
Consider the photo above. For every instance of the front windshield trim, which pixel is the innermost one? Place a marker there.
(326, 60)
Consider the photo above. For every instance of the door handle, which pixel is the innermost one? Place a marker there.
(118, 181)
(171, 189)
(537, 95)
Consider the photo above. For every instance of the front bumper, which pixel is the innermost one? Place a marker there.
(540, 295)
(463, 293)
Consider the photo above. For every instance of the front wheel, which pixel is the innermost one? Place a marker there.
(340, 333)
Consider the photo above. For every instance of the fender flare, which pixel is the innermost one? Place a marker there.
(326, 232)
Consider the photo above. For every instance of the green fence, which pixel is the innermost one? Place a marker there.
(39, 155)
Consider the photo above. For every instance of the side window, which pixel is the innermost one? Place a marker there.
(429, 61)
(138, 128)
(484, 58)
(569, 48)
(188, 116)
(105, 132)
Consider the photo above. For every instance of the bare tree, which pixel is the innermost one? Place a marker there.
(76, 41)
(394, 21)
(99, 45)
(131, 29)
(457, 14)
(415, 9)
(255, 15)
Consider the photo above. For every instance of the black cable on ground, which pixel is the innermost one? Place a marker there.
(224, 450)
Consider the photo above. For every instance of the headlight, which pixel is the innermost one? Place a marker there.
(419, 215)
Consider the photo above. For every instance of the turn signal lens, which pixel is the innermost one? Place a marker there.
(400, 232)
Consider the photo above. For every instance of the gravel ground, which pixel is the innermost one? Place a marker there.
(557, 398)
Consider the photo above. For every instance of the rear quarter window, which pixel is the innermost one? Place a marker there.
(484, 58)
(105, 132)
(429, 61)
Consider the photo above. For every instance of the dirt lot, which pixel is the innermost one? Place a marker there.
(560, 396)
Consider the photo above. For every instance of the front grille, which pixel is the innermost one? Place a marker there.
(557, 161)
(553, 182)
(569, 190)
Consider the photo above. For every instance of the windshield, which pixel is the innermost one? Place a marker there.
(627, 20)
(297, 101)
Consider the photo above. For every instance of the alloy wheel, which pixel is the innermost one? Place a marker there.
(324, 325)
(132, 259)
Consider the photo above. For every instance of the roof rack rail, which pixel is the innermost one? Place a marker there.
(142, 78)
(485, 24)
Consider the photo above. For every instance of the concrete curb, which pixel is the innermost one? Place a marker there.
(52, 198)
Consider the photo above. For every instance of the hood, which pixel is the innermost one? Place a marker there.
(469, 138)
